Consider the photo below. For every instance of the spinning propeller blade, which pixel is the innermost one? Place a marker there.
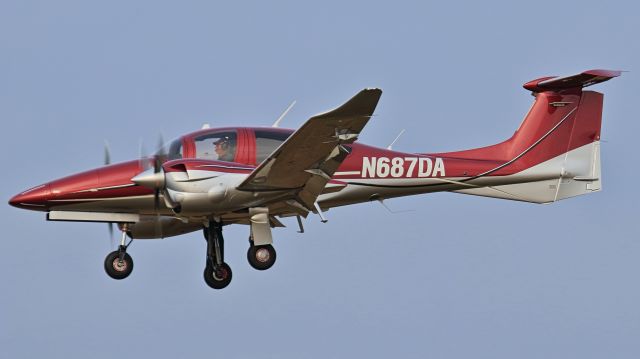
(107, 153)
(107, 161)
(159, 159)
(113, 243)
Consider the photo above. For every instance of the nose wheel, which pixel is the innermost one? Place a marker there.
(119, 264)
(261, 257)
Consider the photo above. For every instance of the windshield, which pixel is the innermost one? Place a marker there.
(173, 150)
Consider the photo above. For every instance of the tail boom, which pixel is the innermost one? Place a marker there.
(553, 155)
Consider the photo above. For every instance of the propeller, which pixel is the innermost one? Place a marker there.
(143, 155)
(107, 161)
(158, 160)
(153, 177)
(113, 241)
(107, 154)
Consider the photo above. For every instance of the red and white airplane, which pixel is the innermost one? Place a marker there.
(255, 175)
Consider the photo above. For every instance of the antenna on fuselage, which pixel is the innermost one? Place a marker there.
(277, 123)
(394, 141)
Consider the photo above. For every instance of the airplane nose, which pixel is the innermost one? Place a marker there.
(34, 198)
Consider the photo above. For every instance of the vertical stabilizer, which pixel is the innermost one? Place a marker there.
(555, 154)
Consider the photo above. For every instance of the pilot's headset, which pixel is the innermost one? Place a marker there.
(224, 142)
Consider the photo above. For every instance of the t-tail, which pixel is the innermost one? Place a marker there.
(555, 153)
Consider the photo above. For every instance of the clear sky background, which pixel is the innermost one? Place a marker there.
(457, 277)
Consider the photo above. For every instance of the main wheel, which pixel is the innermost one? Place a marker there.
(261, 257)
(116, 268)
(219, 278)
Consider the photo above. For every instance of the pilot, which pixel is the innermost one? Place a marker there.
(225, 148)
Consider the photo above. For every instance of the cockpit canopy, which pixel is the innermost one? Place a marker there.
(249, 146)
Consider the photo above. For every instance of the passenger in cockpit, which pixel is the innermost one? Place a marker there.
(225, 149)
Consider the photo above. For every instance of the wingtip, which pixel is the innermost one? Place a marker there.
(372, 89)
(604, 73)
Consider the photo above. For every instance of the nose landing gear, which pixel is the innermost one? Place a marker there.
(119, 264)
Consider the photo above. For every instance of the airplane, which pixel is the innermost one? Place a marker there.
(255, 176)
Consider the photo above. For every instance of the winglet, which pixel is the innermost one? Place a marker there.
(584, 79)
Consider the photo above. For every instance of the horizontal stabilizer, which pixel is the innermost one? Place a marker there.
(584, 79)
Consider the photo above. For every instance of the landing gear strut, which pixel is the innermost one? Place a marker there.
(119, 264)
(261, 254)
(217, 273)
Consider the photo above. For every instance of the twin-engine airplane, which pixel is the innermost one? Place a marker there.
(255, 175)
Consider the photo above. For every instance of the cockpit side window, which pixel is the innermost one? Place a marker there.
(219, 146)
(267, 142)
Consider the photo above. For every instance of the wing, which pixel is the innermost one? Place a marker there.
(305, 162)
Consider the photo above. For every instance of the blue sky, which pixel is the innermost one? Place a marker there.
(459, 276)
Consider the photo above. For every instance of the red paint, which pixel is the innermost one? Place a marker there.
(533, 84)
(85, 186)
(251, 146)
(581, 80)
(32, 198)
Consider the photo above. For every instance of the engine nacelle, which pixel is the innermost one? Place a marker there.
(216, 194)
(201, 187)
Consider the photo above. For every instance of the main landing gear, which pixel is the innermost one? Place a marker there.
(261, 257)
(261, 254)
(217, 273)
(119, 264)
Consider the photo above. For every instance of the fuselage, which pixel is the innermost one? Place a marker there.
(368, 173)
(558, 141)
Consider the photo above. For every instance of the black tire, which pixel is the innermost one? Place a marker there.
(117, 269)
(218, 279)
(261, 257)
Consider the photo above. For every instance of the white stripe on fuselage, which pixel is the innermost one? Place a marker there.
(347, 173)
